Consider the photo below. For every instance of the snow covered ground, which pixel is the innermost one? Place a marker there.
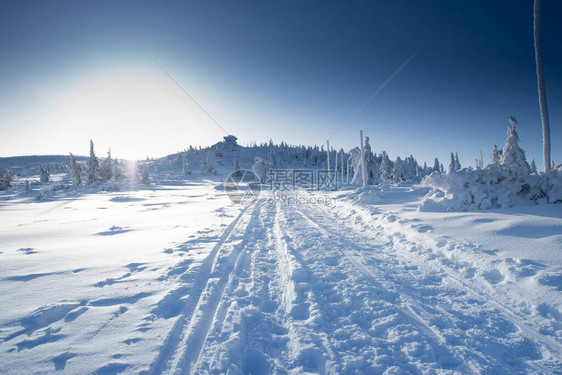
(174, 278)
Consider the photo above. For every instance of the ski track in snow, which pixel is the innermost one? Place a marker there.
(294, 289)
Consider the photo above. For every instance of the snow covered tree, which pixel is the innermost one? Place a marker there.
(410, 169)
(133, 172)
(373, 172)
(44, 173)
(399, 170)
(186, 170)
(541, 87)
(457, 162)
(5, 180)
(534, 167)
(513, 156)
(272, 158)
(93, 166)
(145, 176)
(452, 165)
(495, 158)
(75, 171)
(436, 167)
(481, 161)
(208, 166)
(386, 167)
(355, 159)
(237, 172)
(106, 169)
(119, 173)
(260, 169)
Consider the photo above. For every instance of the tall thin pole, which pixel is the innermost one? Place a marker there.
(328, 144)
(541, 87)
(342, 164)
(363, 166)
(336, 170)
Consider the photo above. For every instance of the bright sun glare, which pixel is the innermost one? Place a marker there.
(132, 113)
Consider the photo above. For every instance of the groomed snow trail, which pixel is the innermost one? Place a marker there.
(293, 289)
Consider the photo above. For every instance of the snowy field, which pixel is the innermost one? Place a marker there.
(175, 278)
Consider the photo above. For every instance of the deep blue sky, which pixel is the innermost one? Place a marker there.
(291, 71)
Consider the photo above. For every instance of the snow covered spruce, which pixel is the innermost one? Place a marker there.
(505, 182)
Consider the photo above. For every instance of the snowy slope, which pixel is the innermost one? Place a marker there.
(175, 278)
(81, 278)
(303, 289)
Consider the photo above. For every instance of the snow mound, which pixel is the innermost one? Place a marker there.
(365, 196)
(494, 186)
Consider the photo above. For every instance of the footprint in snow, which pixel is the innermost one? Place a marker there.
(73, 314)
(119, 300)
(27, 250)
(31, 276)
(50, 335)
(493, 276)
(524, 267)
(136, 267)
(60, 360)
(112, 368)
(122, 198)
(552, 280)
(422, 228)
(113, 231)
(111, 281)
(549, 312)
(300, 311)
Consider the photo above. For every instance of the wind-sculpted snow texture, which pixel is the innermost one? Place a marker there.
(360, 285)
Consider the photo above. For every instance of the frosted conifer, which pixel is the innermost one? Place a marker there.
(495, 158)
(93, 166)
(106, 169)
(145, 176)
(260, 169)
(513, 156)
(75, 171)
(44, 173)
(534, 167)
(457, 163)
(452, 165)
(436, 167)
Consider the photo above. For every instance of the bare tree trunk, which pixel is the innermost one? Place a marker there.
(541, 87)
(363, 166)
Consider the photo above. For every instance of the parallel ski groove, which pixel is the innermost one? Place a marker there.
(175, 347)
(528, 328)
(410, 303)
(341, 244)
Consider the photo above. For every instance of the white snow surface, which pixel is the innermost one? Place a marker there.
(173, 278)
